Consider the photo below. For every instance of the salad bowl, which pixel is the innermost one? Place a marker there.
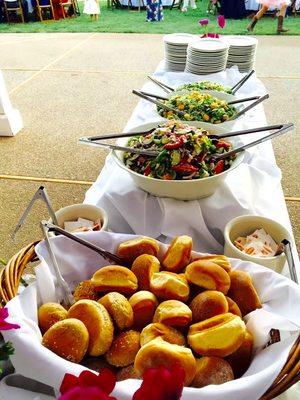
(192, 189)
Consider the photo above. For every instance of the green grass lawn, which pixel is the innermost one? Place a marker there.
(129, 21)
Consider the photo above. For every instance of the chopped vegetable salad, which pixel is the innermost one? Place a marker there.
(205, 85)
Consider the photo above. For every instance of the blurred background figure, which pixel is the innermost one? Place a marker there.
(279, 4)
(187, 3)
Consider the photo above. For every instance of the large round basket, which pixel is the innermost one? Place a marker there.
(11, 274)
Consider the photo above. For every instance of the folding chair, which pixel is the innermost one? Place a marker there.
(176, 4)
(44, 6)
(14, 6)
(66, 3)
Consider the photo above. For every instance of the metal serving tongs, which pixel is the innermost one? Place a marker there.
(286, 247)
(66, 294)
(169, 89)
(280, 129)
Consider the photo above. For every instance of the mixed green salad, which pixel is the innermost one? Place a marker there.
(205, 85)
(183, 153)
(198, 106)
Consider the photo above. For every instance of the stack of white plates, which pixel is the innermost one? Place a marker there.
(206, 56)
(175, 50)
(242, 51)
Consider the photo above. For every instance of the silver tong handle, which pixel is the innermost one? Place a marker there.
(239, 84)
(255, 103)
(290, 259)
(166, 88)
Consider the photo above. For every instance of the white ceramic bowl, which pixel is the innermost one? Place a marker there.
(247, 224)
(87, 211)
(181, 190)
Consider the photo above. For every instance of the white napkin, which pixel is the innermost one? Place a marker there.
(76, 262)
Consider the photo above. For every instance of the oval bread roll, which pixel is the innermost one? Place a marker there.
(49, 314)
(208, 304)
(143, 304)
(115, 278)
(68, 339)
(178, 254)
(233, 308)
(131, 249)
(212, 371)
(127, 373)
(118, 308)
(85, 290)
(170, 286)
(124, 349)
(173, 313)
(98, 323)
(143, 268)
(240, 360)
(157, 353)
(167, 333)
(219, 259)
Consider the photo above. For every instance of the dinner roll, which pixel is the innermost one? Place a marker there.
(218, 336)
(131, 249)
(233, 308)
(243, 292)
(118, 308)
(143, 304)
(49, 314)
(240, 360)
(97, 364)
(173, 313)
(98, 323)
(85, 290)
(167, 333)
(127, 373)
(170, 286)
(208, 275)
(68, 339)
(208, 304)
(115, 278)
(143, 268)
(218, 259)
(124, 349)
(158, 353)
(178, 254)
(212, 371)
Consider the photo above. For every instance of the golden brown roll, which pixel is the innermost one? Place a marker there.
(143, 304)
(127, 373)
(243, 292)
(118, 308)
(208, 275)
(97, 364)
(218, 259)
(49, 314)
(98, 323)
(212, 371)
(170, 286)
(85, 290)
(173, 313)
(240, 360)
(167, 333)
(178, 254)
(157, 353)
(124, 348)
(131, 249)
(218, 336)
(68, 339)
(115, 278)
(208, 304)
(143, 268)
(233, 308)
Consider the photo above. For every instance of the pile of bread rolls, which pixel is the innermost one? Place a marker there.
(178, 311)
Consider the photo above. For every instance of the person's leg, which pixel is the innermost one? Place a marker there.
(185, 5)
(281, 16)
(256, 17)
(193, 4)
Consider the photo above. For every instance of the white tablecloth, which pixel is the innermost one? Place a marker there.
(253, 188)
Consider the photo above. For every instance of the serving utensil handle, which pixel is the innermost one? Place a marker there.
(239, 84)
(166, 88)
(255, 103)
(243, 100)
(290, 259)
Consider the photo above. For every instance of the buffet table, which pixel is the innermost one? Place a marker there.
(246, 190)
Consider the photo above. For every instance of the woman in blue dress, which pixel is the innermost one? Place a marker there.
(154, 11)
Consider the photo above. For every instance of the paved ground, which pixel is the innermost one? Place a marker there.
(70, 85)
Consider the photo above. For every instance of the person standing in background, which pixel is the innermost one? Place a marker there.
(280, 4)
(92, 8)
(154, 10)
(186, 3)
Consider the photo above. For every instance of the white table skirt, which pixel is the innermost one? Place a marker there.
(253, 188)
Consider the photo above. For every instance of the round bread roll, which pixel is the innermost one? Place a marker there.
(167, 333)
(208, 275)
(143, 268)
(127, 373)
(178, 254)
(97, 364)
(212, 371)
(131, 249)
(119, 309)
(115, 278)
(68, 339)
(158, 353)
(218, 259)
(173, 313)
(98, 323)
(233, 308)
(218, 336)
(85, 290)
(49, 314)
(124, 348)
(243, 292)
(240, 360)
(170, 286)
(143, 304)
(208, 304)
